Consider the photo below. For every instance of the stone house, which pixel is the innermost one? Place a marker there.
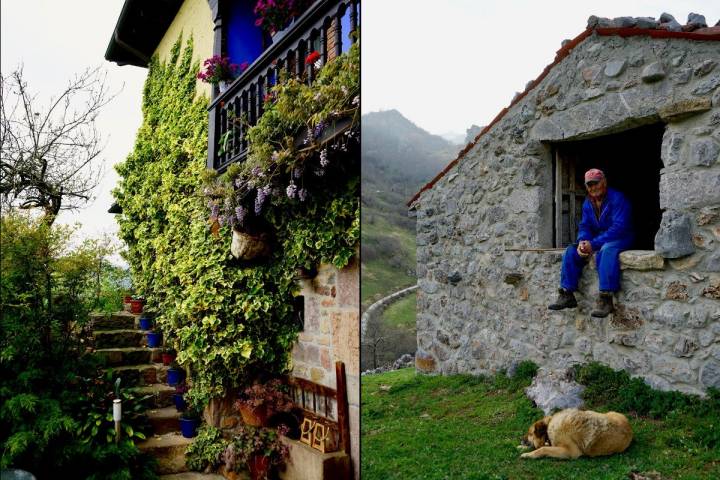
(640, 99)
(328, 305)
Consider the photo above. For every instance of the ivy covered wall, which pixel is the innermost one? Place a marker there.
(228, 320)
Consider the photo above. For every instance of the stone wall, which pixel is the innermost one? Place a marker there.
(332, 327)
(482, 308)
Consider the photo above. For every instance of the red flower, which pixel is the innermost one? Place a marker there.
(312, 57)
(267, 98)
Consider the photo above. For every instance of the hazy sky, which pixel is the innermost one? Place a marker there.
(56, 39)
(446, 65)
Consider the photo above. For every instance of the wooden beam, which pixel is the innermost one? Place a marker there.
(342, 406)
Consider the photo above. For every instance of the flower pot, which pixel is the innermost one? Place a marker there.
(145, 323)
(256, 417)
(154, 339)
(179, 401)
(245, 246)
(136, 306)
(126, 303)
(189, 426)
(167, 358)
(175, 376)
(259, 466)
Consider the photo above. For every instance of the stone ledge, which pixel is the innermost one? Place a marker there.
(308, 463)
(641, 260)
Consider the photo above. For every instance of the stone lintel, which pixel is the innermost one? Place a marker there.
(684, 108)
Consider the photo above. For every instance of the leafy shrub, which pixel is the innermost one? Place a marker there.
(206, 449)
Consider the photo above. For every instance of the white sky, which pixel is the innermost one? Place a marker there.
(446, 65)
(56, 39)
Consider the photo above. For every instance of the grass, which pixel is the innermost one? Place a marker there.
(465, 427)
(401, 314)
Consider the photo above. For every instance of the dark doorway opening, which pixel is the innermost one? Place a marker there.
(631, 162)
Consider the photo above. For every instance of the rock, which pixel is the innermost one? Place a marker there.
(672, 26)
(513, 278)
(592, 21)
(674, 238)
(666, 18)
(684, 108)
(551, 390)
(712, 291)
(624, 22)
(455, 278)
(712, 263)
(653, 72)
(681, 76)
(696, 20)
(672, 314)
(684, 347)
(671, 144)
(710, 374)
(641, 260)
(647, 23)
(704, 68)
(425, 362)
(704, 152)
(676, 291)
(615, 67)
(707, 86)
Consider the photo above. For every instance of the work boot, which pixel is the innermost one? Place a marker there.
(566, 299)
(604, 305)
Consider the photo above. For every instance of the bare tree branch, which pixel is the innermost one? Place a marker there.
(49, 156)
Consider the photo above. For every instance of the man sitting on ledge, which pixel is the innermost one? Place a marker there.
(605, 230)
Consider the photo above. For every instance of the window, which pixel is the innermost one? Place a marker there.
(631, 162)
(299, 312)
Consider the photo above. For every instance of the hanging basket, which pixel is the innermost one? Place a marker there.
(245, 246)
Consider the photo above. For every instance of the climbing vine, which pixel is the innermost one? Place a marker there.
(228, 320)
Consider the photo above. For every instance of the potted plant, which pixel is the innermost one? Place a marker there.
(175, 374)
(154, 339)
(145, 322)
(276, 15)
(136, 305)
(179, 397)
(258, 449)
(261, 401)
(217, 70)
(168, 355)
(190, 420)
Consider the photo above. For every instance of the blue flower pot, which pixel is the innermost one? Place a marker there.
(154, 339)
(189, 426)
(175, 376)
(145, 323)
(179, 402)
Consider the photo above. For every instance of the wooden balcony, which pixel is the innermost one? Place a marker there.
(319, 29)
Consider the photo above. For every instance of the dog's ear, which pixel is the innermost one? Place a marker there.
(540, 429)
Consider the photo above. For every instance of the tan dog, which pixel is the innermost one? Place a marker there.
(572, 433)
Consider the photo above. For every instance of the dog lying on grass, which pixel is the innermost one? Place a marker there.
(572, 433)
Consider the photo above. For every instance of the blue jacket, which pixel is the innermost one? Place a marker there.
(615, 221)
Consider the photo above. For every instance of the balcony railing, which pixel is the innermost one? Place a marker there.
(319, 29)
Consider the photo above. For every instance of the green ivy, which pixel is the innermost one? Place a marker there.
(227, 320)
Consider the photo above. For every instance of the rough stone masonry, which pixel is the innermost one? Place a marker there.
(482, 308)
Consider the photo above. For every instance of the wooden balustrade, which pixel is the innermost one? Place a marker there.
(232, 112)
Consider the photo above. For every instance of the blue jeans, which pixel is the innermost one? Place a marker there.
(607, 261)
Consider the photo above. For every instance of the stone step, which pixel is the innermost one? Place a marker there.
(164, 420)
(113, 321)
(169, 451)
(140, 375)
(120, 338)
(129, 355)
(160, 395)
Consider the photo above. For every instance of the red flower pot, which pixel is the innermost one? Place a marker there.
(259, 467)
(167, 358)
(256, 417)
(136, 306)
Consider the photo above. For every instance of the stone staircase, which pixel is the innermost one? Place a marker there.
(118, 339)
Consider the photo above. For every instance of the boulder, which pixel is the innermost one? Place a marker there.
(674, 238)
(551, 390)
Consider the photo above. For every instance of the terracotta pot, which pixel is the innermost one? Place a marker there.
(259, 467)
(167, 358)
(255, 417)
(136, 306)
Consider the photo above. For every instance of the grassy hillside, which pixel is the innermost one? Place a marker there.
(464, 427)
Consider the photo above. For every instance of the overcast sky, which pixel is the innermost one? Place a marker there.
(56, 39)
(446, 65)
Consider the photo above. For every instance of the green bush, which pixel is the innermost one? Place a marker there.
(206, 449)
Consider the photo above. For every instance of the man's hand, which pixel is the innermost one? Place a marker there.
(584, 249)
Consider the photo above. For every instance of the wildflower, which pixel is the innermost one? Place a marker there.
(324, 158)
(244, 66)
(274, 157)
(312, 57)
(257, 171)
(319, 129)
(239, 182)
(296, 172)
(356, 100)
(291, 190)
(240, 213)
(302, 194)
